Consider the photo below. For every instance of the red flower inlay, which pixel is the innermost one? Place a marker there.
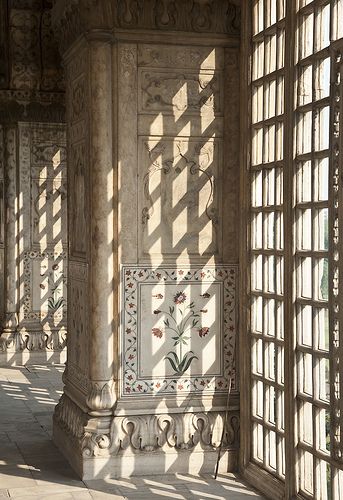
(157, 332)
(180, 297)
(203, 331)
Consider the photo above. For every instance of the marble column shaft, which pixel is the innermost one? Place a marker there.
(11, 231)
(102, 396)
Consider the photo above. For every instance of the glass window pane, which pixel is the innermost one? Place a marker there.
(305, 376)
(322, 34)
(322, 78)
(321, 185)
(306, 35)
(305, 423)
(306, 472)
(304, 182)
(304, 325)
(304, 132)
(321, 129)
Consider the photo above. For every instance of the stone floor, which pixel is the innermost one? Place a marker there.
(31, 467)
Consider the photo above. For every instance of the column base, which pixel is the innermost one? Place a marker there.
(102, 447)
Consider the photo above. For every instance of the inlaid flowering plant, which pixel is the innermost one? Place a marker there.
(181, 330)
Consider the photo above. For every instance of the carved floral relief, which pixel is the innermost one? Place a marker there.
(175, 92)
(179, 197)
(178, 56)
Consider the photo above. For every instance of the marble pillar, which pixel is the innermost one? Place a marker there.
(153, 174)
(32, 188)
(33, 243)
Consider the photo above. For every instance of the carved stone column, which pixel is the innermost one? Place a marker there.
(153, 122)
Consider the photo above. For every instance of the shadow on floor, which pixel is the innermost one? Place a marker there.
(32, 468)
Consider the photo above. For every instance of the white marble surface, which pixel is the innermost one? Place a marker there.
(31, 467)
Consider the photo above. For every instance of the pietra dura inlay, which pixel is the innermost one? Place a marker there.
(178, 329)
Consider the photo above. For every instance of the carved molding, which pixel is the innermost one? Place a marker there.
(110, 436)
(33, 341)
(75, 376)
(69, 417)
(71, 18)
(4, 69)
(182, 431)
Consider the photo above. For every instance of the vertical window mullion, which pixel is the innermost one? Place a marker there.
(290, 354)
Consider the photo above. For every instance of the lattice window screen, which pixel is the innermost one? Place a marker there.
(296, 123)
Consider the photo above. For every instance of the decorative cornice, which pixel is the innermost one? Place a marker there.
(72, 18)
(4, 68)
(28, 105)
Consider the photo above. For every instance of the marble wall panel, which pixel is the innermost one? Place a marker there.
(42, 225)
(179, 197)
(176, 92)
(184, 180)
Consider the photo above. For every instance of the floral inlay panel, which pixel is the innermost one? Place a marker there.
(178, 329)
